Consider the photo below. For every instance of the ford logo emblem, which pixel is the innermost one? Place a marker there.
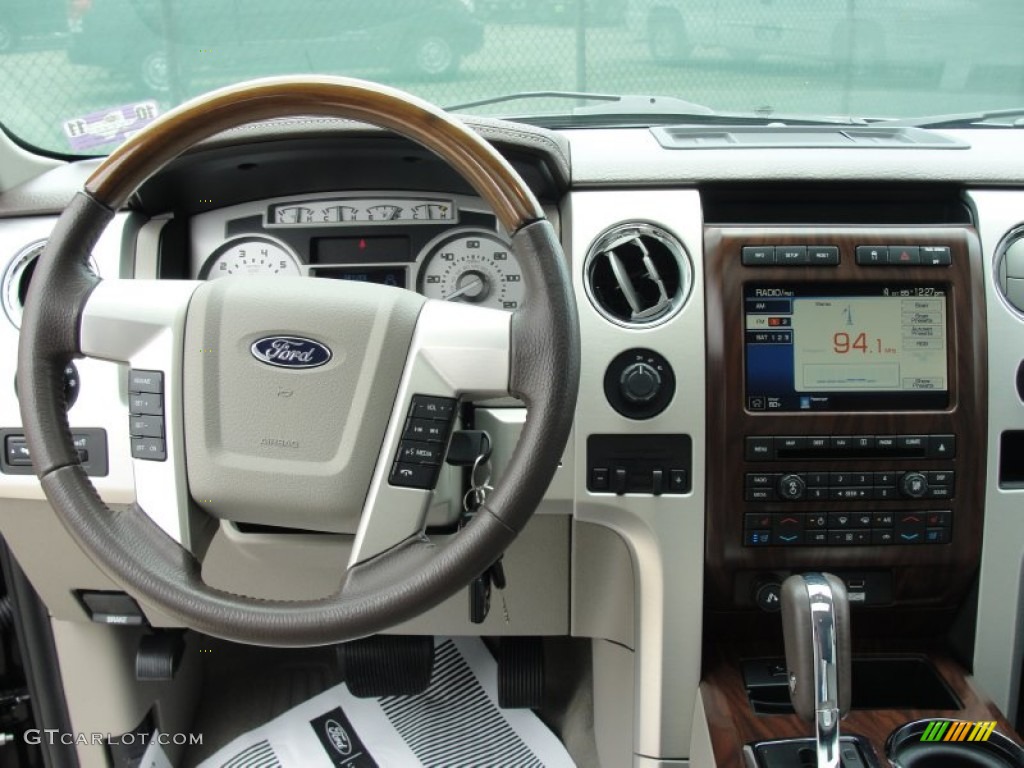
(290, 352)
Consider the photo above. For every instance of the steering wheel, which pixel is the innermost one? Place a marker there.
(290, 402)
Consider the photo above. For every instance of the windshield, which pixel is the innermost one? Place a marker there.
(78, 76)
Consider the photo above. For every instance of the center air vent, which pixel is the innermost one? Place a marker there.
(637, 275)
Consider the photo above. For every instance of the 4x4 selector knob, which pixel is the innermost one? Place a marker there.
(914, 485)
(792, 487)
(640, 382)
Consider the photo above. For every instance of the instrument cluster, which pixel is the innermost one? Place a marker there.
(447, 248)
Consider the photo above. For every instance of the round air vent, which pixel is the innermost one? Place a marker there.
(16, 279)
(637, 275)
(1010, 269)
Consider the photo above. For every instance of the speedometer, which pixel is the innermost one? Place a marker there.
(251, 256)
(472, 266)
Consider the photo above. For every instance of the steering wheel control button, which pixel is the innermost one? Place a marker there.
(426, 430)
(437, 408)
(422, 476)
(639, 383)
(147, 429)
(145, 404)
(422, 448)
(599, 480)
(146, 426)
(145, 381)
(149, 448)
(412, 452)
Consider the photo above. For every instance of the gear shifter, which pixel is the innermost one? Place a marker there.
(816, 630)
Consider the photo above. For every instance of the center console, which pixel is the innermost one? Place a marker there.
(847, 379)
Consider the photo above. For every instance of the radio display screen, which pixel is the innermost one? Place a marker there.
(846, 347)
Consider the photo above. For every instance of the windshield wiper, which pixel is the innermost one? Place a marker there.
(961, 119)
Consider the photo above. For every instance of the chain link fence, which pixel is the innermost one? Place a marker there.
(771, 57)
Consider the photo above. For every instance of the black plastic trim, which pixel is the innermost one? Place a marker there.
(42, 671)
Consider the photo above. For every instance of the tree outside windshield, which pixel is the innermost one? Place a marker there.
(79, 76)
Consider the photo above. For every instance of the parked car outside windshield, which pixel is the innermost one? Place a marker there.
(119, 63)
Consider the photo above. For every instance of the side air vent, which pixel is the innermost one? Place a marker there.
(637, 275)
(16, 279)
(1010, 269)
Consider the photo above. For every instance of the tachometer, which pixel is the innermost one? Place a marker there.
(251, 256)
(472, 266)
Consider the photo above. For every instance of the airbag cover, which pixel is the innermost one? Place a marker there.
(277, 434)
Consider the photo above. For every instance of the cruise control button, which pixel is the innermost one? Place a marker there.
(145, 381)
(149, 448)
(145, 404)
(146, 426)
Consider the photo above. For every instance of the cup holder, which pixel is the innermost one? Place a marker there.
(905, 749)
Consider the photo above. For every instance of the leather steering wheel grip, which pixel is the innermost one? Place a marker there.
(402, 582)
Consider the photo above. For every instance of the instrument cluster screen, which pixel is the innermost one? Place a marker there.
(846, 348)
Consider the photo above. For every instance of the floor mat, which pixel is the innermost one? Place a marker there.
(455, 722)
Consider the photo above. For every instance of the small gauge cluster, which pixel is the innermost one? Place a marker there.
(443, 248)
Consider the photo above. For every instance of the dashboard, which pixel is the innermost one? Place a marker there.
(793, 359)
